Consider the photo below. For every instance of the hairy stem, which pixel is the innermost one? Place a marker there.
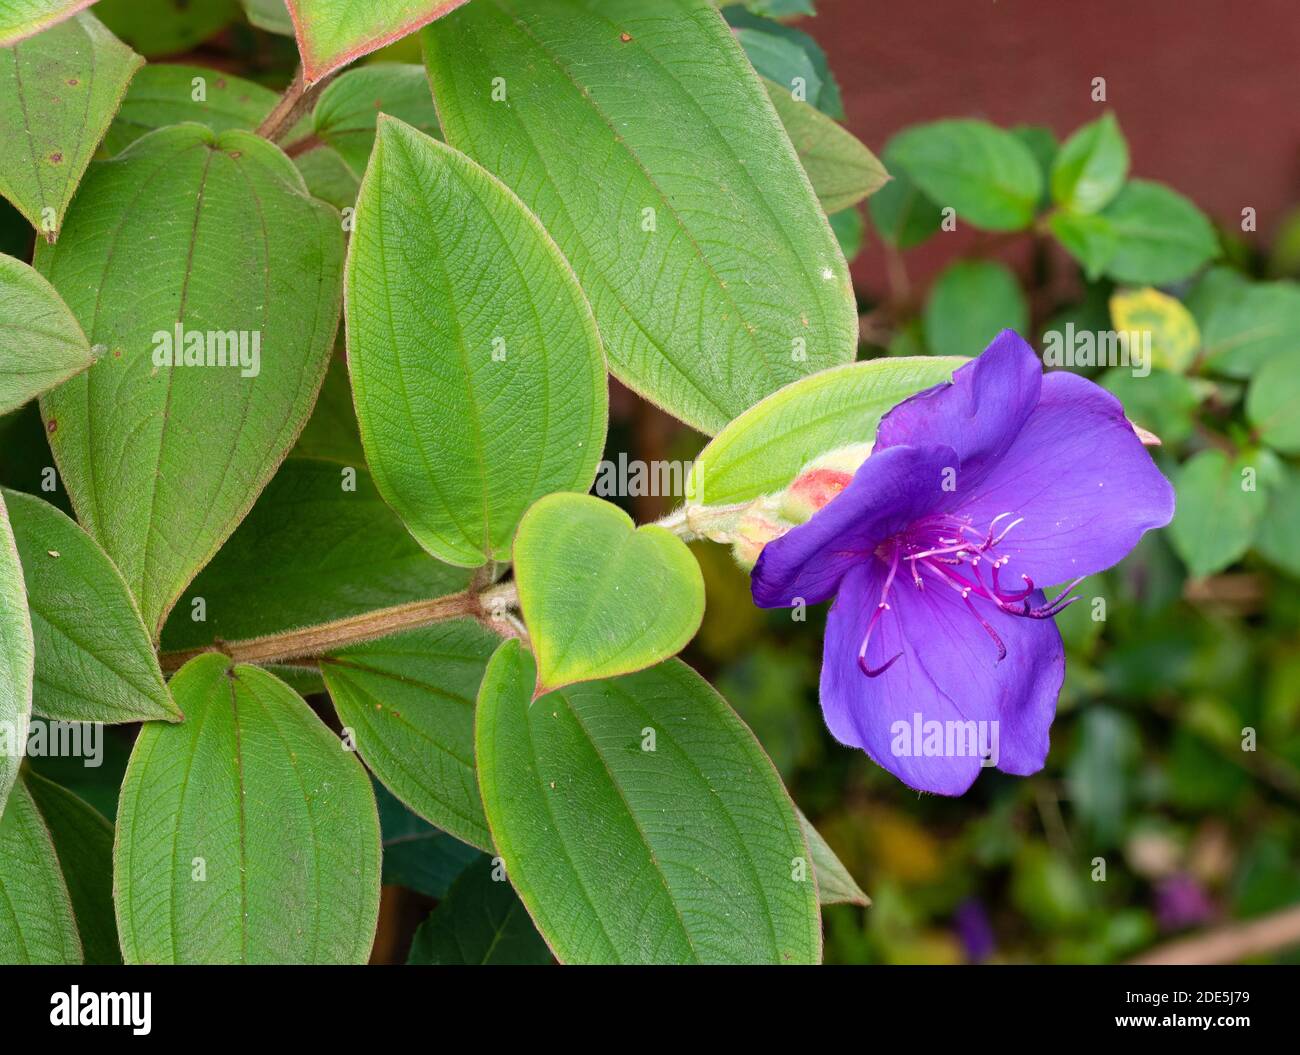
(490, 607)
(290, 107)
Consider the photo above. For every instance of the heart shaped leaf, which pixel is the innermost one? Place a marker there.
(58, 93)
(94, 659)
(247, 834)
(41, 344)
(713, 273)
(217, 295)
(643, 803)
(476, 364)
(601, 596)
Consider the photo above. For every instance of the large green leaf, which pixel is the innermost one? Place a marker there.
(712, 272)
(763, 450)
(162, 95)
(58, 92)
(247, 834)
(94, 658)
(476, 365)
(408, 702)
(332, 33)
(215, 233)
(319, 545)
(348, 110)
(482, 921)
(1217, 515)
(83, 840)
(36, 920)
(601, 596)
(25, 18)
(41, 344)
(970, 303)
(988, 175)
(15, 659)
(841, 169)
(687, 852)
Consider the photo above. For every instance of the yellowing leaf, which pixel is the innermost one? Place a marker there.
(1160, 319)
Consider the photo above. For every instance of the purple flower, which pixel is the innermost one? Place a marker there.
(941, 653)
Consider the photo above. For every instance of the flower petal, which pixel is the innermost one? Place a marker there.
(947, 672)
(979, 414)
(1081, 479)
(889, 491)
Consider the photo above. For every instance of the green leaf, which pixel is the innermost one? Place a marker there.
(347, 111)
(1159, 236)
(162, 95)
(247, 834)
(94, 659)
(408, 702)
(41, 344)
(167, 27)
(902, 214)
(986, 174)
(1148, 314)
(58, 93)
(970, 303)
(1090, 239)
(1091, 166)
(1273, 403)
(482, 921)
(83, 841)
(763, 450)
(834, 884)
(162, 461)
(332, 33)
(319, 545)
(36, 921)
(329, 177)
(416, 854)
(687, 853)
(850, 231)
(788, 56)
(714, 282)
(841, 169)
(1217, 516)
(601, 596)
(1245, 324)
(1280, 526)
(1042, 143)
(16, 659)
(1162, 402)
(270, 15)
(476, 364)
(20, 19)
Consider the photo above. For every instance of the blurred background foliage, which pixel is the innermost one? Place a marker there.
(1176, 658)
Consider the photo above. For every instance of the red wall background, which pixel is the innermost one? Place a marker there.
(1207, 91)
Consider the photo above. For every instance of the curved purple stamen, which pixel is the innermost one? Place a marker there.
(942, 544)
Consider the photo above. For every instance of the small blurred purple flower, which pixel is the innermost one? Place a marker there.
(1181, 902)
(974, 930)
(930, 652)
